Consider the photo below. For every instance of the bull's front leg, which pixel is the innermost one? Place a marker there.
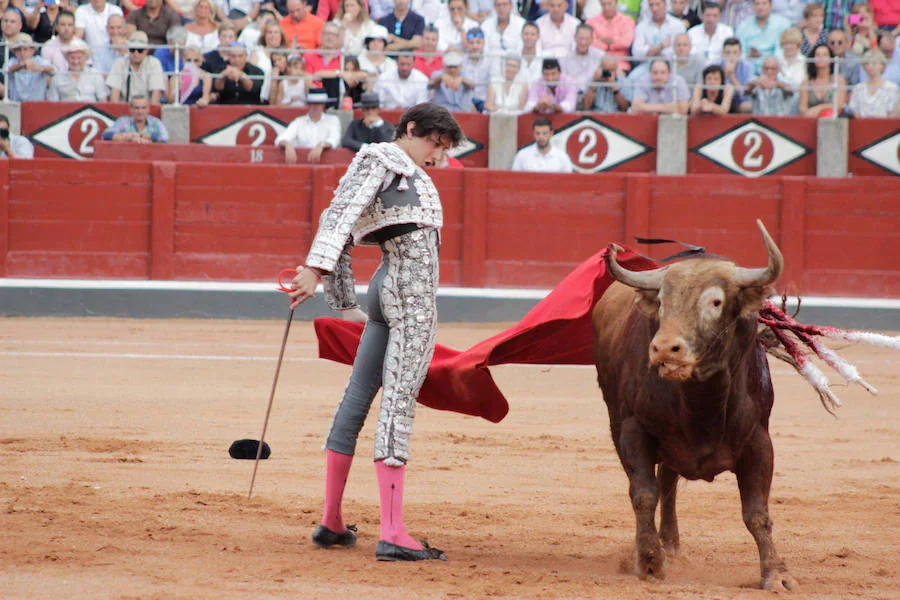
(668, 519)
(754, 476)
(638, 455)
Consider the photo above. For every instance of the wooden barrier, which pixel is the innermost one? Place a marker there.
(210, 154)
(162, 220)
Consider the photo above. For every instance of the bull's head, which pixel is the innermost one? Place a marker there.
(698, 303)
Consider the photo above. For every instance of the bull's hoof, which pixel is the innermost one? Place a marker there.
(779, 579)
(651, 563)
(671, 549)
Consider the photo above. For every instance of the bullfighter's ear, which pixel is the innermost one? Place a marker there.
(647, 301)
(752, 299)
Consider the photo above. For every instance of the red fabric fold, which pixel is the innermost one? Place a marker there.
(557, 331)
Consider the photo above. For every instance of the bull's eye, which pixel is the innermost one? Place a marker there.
(717, 303)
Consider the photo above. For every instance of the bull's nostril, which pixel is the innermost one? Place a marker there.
(676, 348)
(654, 348)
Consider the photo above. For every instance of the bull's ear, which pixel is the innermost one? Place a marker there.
(647, 301)
(752, 299)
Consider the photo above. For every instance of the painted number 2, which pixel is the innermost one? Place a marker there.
(753, 159)
(587, 156)
(90, 128)
(257, 133)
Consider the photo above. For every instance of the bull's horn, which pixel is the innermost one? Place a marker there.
(760, 277)
(642, 280)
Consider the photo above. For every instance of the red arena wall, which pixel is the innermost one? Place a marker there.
(162, 220)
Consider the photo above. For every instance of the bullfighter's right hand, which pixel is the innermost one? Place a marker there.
(304, 286)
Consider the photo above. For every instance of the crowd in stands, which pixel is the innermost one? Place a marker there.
(769, 57)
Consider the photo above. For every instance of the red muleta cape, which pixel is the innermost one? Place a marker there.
(557, 331)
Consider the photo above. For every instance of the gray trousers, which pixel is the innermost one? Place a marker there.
(395, 349)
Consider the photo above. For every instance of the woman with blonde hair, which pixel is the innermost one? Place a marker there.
(203, 31)
(355, 24)
(793, 62)
(876, 97)
(272, 39)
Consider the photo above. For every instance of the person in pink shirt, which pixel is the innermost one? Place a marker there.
(613, 31)
(554, 93)
(887, 14)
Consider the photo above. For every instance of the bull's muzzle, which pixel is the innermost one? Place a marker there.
(673, 356)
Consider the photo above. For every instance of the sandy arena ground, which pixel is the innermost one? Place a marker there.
(116, 482)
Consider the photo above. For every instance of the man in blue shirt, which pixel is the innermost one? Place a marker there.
(738, 72)
(405, 27)
(140, 127)
(451, 90)
(761, 35)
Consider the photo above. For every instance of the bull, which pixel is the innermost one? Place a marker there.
(687, 386)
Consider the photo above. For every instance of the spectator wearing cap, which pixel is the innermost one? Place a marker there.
(542, 156)
(604, 95)
(451, 90)
(90, 22)
(581, 65)
(239, 13)
(373, 61)
(428, 60)
(453, 25)
(613, 31)
(557, 29)
(29, 75)
(137, 74)
(370, 129)
(532, 55)
(738, 72)
(660, 93)
(155, 18)
(326, 63)
(403, 89)
(315, 130)
(654, 37)
(503, 29)
(303, 29)
(10, 25)
(771, 94)
(476, 68)
(708, 37)
(761, 35)
(12, 145)
(240, 82)
(140, 127)
(105, 56)
(79, 82)
(554, 93)
(54, 50)
(404, 27)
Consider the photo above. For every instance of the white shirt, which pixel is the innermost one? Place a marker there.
(499, 44)
(402, 93)
(530, 158)
(709, 46)
(94, 23)
(304, 133)
(648, 33)
(354, 43)
(449, 35)
(557, 40)
(210, 41)
(529, 72)
(388, 66)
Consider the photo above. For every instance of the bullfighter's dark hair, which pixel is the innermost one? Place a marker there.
(430, 118)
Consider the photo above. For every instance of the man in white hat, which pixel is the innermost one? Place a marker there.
(80, 82)
(314, 130)
(29, 75)
(451, 90)
(137, 74)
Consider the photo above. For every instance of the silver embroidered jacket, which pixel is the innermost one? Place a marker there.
(382, 187)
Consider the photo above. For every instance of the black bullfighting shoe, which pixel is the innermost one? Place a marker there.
(326, 538)
(393, 552)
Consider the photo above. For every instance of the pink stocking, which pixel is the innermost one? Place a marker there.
(390, 487)
(337, 467)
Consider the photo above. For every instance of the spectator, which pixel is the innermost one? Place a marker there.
(875, 97)
(12, 145)
(836, 12)
(818, 94)
(79, 82)
(476, 68)
(554, 93)
(380, 8)
(532, 56)
(654, 37)
(354, 79)
(315, 130)
(136, 74)
(848, 63)
(90, 22)
(581, 65)
(29, 75)
(184, 8)
(203, 31)
(861, 29)
(238, 12)
(738, 72)
(303, 29)
(481, 9)
(887, 45)
(557, 29)
(686, 63)
(792, 10)
(215, 61)
(507, 95)
(613, 31)
(708, 37)
(249, 35)
(373, 61)
(735, 12)
(542, 156)
(452, 26)
(187, 86)
(240, 82)
(660, 93)
(292, 89)
(326, 64)
(687, 13)
(272, 40)
(814, 32)
(793, 63)
(604, 95)
(404, 88)
(371, 129)
(11, 26)
(53, 51)
(404, 27)
(355, 24)
(138, 128)
(175, 38)
(761, 35)
(771, 94)
(105, 56)
(451, 89)
(154, 18)
(333, 10)
(41, 20)
(428, 60)
(887, 14)
(502, 30)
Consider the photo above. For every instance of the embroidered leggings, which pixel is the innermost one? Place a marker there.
(395, 350)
